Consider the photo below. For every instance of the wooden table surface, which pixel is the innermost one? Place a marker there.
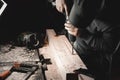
(58, 50)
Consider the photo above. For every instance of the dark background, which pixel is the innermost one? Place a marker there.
(28, 15)
(35, 16)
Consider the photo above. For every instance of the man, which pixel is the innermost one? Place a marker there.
(95, 25)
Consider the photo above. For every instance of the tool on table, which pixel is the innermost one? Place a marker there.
(19, 67)
(42, 69)
(28, 67)
(5, 74)
(29, 73)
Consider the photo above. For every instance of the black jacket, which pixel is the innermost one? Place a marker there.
(85, 11)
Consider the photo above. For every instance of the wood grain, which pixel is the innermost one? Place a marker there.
(64, 60)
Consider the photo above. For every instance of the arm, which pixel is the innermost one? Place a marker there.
(61, 6)
(82, 14)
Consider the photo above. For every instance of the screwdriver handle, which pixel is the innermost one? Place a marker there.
(4, 74)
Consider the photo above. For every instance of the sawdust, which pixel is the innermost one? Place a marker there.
(9, 53)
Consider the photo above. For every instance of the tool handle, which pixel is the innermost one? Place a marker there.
(4, 74)
(71, 37)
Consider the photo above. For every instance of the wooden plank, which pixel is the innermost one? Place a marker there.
(52, 72)
(52, 43)
(73, 57)
(61, 53)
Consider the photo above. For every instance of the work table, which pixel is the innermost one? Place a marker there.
(58, 51)
(63, 61)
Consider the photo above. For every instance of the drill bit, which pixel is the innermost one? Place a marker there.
(72, 40)
(72, 48)
(71, 37)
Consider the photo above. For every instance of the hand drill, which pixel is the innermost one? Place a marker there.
(72, 40)
(71, 37)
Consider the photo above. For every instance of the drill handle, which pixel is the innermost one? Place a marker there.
(5, 74)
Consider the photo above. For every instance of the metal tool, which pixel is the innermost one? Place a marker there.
(72, 38)
(19, 67)
(30, 73)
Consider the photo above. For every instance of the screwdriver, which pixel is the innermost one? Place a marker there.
(71, 37)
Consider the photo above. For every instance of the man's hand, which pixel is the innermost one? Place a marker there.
(61, 6)
(71, 29)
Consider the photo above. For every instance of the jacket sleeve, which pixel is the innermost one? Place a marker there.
(84, 11)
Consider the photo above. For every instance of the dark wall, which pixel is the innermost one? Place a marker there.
(28, 15)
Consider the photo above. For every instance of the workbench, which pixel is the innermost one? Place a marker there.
(58, 50)
(63, 62)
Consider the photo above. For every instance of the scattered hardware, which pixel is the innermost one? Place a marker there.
(30, 68)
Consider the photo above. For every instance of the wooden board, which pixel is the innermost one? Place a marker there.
(58, 50)
(52, 73)
(64, 61)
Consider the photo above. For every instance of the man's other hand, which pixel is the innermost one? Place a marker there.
(61, 6)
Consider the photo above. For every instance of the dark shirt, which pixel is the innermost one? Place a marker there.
(98, 23)
(85, 11)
